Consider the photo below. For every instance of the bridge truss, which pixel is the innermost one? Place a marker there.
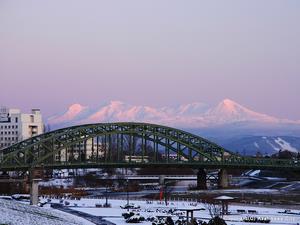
(127, 145)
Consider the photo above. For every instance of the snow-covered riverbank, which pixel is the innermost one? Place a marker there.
(159, 209)
(17, 213)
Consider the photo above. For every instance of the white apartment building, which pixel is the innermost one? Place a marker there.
(16, 126)
(89, 147)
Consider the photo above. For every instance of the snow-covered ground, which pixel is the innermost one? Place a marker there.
(159, 209)
(57, 183)
(16, 213)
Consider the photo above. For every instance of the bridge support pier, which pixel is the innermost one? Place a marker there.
(34, 191)
(201, 180)
(223, 179)
(162, 180)
(35, 176)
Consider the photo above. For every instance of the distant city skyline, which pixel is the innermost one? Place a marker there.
(57, 53)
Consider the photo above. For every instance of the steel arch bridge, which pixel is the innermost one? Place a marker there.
(126, 145)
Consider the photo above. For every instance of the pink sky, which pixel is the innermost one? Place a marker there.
(56, 53)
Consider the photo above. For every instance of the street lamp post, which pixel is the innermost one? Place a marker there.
(106, 197)
(165, 190)
(127, 189)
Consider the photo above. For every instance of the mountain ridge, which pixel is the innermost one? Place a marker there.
(192, 115)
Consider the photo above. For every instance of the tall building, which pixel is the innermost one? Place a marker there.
(16, 126)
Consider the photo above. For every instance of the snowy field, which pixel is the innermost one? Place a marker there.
(16, 213)
(159, 209)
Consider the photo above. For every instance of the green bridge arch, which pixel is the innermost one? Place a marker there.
(127, 145)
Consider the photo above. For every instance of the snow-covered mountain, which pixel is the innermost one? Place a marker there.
(229, 111)
(250, 145)
(194, 115)
(71, 115)
(228, 123)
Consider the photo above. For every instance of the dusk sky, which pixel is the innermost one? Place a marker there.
(157, 53)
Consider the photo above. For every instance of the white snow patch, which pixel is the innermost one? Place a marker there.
(285, 145)
(57, 183)
(273, 146)
(254, 173)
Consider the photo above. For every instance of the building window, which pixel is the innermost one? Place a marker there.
(16, 120)
(31, 118)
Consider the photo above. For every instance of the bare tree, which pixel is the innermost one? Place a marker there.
(214, 209)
